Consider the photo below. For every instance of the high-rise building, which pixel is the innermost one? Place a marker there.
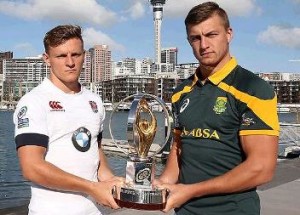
(86, 73)
(157, 18)
(168, 59)
(98, 63)
(5, 56)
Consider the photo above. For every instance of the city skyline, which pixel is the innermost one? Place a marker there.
(265, 34)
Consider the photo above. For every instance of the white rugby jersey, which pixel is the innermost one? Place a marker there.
(72, 123)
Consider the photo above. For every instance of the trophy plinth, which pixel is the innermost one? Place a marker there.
(138, 192)
(140, 198)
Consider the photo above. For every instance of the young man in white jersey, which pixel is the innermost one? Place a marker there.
(58, 131)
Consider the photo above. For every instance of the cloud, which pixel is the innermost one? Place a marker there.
(26, 49)
(87, 11)
(242, 8)
(92, 37)
(281, 35)
(136, 10)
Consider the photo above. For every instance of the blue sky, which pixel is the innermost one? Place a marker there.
(266, 32)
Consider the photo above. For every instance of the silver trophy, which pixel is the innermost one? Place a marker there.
(138, 192)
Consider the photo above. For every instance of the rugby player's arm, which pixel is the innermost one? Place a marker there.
(257, 169)
(37, 170)
(170, 173)
(104, 171)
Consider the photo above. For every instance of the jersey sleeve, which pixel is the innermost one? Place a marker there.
(259, 115)
(103, 115)
(30, 123)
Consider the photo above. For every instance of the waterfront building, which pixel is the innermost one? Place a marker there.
(270, 76)
(290, 76)
(127, 66)
(146, 66)
(168, 59)
(164, 88)
(119, 88)
(98, 63)
(3, 56)
(119, 70)
(283, 76)
(288, 92)
(131, 67)
(86, 74)
(22, 75)
(185, 70)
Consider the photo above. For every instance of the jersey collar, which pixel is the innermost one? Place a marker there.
(55, 88)
(219, 75)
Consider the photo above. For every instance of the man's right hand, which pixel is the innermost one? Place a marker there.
(102, 192)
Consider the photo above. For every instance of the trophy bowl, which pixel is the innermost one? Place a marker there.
(142, 152)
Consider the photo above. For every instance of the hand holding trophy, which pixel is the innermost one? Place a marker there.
(138, 193)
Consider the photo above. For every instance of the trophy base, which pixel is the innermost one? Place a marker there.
(139, 206)
(140, 198)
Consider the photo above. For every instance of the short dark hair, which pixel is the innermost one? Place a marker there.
(204, 11)
(61, 34)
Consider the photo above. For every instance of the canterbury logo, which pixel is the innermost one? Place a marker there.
(55, 106)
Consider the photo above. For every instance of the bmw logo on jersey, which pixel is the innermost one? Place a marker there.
(81, 139)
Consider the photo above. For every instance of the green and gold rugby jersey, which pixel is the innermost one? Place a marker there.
(211, 117)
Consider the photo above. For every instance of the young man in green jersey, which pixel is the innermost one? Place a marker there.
(226, 127)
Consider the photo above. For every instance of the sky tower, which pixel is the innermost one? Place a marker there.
(157, 18)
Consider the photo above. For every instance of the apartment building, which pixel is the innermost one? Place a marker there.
(168, 59)
(22, 75)
(98, 63)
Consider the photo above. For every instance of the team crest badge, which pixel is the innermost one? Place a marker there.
(23, 121)
(220, 105)
(94, 106)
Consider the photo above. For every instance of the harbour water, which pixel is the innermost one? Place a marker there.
(15, 191)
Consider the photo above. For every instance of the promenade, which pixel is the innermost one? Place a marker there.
(279, 197)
